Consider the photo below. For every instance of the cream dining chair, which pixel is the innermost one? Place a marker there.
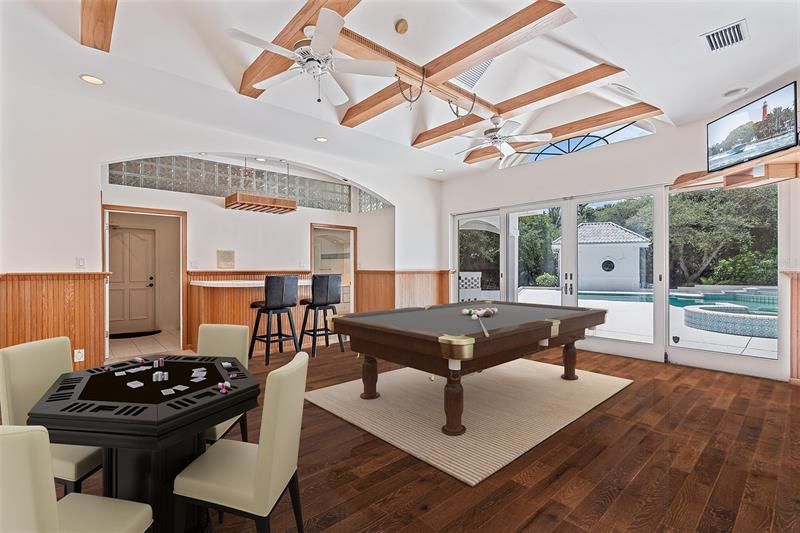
(26, 372)
(224, 340)
(248, 479)
(28, 495)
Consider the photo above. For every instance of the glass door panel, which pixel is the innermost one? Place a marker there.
(723, 267)
(534, 259)
(615, 265)
(333, 254)
(478, 257)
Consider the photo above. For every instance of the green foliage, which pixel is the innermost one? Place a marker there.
(546, 280)
(536, 256)
(706, 226)
(479, 251)
(746, 268)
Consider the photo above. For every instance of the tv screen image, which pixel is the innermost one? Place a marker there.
(761, 127)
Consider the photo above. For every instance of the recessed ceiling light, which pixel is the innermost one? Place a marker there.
(282, 160)
(735, 92)
(201, 153)
(92, 80)
(438, 170)
(261, 159)
(321, 139)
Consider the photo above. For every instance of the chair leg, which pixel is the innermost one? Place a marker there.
(253, 336)
(243, 426)
(294, 333)
(304, 326)
(314, 337)
(269, 338)
(262, 525)
(325, 325)
(280, 333)
(294, 492)
(180, 513)
(339, 335)
(221, 516)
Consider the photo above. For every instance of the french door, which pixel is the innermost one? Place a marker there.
(600, 252)
(479, 256)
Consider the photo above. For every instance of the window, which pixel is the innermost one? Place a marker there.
(608, 265)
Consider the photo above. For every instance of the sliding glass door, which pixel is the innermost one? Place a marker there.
(478, 256)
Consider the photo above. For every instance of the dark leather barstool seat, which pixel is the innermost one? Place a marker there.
(326, 292)
(280, 296)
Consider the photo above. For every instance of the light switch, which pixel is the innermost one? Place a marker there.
(80, 262)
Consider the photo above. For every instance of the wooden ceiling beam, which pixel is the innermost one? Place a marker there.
(532, 21)
(551, 93)
(267, 64)
(631, 113)
(97, 23)
(383, 100)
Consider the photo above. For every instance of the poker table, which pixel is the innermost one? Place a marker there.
(148, 436)
(441, 340)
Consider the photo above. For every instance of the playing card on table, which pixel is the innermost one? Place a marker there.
(135, 384)
(167, 392)
(120, 373)
(180, 388)
(198, 379)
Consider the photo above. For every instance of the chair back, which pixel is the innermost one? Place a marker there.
(326, 289)
(279, 440)
(26, 372)
(280, 291)
(27, 491)
(223, 340)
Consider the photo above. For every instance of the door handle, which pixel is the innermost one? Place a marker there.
(570, 288)
(150, 278)
(150, 284)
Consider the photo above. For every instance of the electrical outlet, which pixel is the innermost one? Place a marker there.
(80, 262)
(79, 356)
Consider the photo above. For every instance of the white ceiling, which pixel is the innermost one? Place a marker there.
(176, 45)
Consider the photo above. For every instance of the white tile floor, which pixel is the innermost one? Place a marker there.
(166, 341)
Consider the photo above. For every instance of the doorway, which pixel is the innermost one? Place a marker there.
(333, 251)
(479, 255)
(144, 255)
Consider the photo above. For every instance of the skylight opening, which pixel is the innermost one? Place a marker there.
(469, 79)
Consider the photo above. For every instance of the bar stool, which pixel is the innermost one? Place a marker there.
(326, 292)
(280, 295)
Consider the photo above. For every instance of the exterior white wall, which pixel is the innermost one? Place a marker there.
(592, 277)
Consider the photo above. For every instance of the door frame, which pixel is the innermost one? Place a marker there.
(454, 220)
(777, 369)
(354, 262)
(184, 283)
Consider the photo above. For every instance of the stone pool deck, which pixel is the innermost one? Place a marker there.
(633, 321)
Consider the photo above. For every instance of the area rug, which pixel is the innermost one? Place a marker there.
(508, 410)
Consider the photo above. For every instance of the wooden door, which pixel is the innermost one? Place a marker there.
(132, 260)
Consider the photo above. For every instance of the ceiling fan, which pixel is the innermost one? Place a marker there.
(313, 56)
(500, 136)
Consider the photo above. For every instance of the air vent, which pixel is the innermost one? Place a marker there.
(726, 36)
(467, 80)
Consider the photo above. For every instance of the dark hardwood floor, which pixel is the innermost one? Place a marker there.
(681, 449)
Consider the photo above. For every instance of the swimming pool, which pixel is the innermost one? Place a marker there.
(761, 303)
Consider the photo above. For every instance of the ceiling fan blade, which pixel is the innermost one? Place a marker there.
(332, 91)
(329, 24)
(365, 67)
(261, 43)
(533, 137)
(507, 149)
(471, 148)
(277, 79)
(508, 128)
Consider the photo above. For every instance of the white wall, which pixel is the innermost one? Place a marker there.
(168, 263)
(592, 277)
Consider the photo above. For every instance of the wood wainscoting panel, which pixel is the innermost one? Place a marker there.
(232, 305)
(422, 287)
(375, 290)
(794, 321)
(41, 305)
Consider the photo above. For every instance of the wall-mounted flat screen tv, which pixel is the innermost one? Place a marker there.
(761, 127)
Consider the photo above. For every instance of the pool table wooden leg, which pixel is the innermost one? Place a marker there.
(369, 375)
(570, 359)
(453, 403)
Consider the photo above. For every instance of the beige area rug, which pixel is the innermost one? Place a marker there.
(508, 410)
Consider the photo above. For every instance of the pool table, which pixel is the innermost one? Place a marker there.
(443, 341)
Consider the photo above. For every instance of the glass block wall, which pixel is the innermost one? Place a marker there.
(199, 176)
(369, 202)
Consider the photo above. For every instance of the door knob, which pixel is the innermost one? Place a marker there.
(150, 284)
(151, 278)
